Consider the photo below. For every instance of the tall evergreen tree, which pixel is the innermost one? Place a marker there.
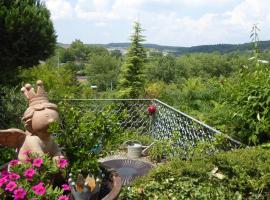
(131, 80)
(26, 36)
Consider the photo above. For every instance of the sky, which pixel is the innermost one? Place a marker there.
(165, 22)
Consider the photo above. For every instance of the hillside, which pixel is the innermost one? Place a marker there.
(222, 48)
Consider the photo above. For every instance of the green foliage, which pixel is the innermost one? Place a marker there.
(248, 103)
(172, 69)
(131, 81)
(60, 82)
(129, 135)
(162, 68)
(85, 136)
(168, 148)
(12, 107)
(103, 71)
(79, 54)
(27, 36)
(246, 176)
(237, 105)
(6, 154)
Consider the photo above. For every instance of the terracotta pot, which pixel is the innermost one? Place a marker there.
(108, 190)
(115, 187)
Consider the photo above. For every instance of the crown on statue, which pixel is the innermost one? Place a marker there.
(35, 97)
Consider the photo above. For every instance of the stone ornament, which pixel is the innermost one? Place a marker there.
(37, 117)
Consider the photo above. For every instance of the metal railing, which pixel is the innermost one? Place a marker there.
(168, 121)
(164, 123)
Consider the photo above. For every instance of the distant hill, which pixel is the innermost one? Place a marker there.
(222, 48)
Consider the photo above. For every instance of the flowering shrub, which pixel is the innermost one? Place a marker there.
(33, 179)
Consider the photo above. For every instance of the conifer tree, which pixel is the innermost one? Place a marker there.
(26, 36)
(131, 81)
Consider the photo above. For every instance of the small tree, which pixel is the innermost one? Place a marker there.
(131, 80)
(26, 36)
(254, 36)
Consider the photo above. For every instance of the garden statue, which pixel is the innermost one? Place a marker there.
(37, 117)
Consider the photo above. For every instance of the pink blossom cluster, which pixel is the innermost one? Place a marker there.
(7, 181)
(10, 181)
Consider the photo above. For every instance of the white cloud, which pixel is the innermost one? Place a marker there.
(197, 3)
(249, 12)
(106, 10)
(60, 9)
(168, 26)
(228, 27)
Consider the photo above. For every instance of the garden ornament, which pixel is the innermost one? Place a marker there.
(37, 117)
(152, 109)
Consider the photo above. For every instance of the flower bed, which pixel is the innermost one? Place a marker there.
(38, 177)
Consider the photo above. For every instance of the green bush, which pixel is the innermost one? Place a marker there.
(243, 109)
(12, 106)
(85, 135)
(246, 176)
(60, 82)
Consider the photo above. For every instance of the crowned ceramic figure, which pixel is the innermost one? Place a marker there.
(36, 118)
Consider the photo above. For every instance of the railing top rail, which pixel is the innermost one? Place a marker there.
(184, 114)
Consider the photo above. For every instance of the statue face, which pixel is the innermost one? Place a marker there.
(42, 118)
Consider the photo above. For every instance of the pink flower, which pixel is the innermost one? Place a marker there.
(3, 180)
(27, 152)
(19, 194)
(66, 187)
(13, 176)
(13, 163)
(63, 197)
(37, 162)
(39, 189)
(29, 173)
(62, 163)
(11, 186)
(4, 173)
(28, 160)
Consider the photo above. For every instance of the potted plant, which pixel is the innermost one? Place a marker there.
(85, 137)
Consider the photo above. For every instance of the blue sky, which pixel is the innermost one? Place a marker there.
(166, 22)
